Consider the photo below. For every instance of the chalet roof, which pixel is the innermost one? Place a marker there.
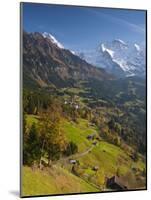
(72, 161)
(95, 168)
(118, 181)
(92, 135)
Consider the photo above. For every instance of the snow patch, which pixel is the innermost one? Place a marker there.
(121, 64)
(121, 41)
(73, 52)
(137, 47)
(53, 39)
(110, 52)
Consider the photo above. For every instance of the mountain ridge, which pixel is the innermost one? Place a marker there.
(120, 58)
(46, 63)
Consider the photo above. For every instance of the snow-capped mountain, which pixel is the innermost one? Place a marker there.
(56, 42)
(53, 39)
(119, 58)
(47, 64)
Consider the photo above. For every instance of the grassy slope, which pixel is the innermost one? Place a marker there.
(78, 133)
(109, 158)
(52, 181)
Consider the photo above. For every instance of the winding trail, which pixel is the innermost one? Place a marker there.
(75, 156)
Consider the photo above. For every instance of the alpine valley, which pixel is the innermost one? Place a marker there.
(84, 117)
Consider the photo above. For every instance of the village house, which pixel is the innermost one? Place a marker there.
(72, 161)
(95, 168)
(91, 136)
(76, 106)
(98, 138)
(94, 143)
(116, 183)
(72, 104)
(65, 102)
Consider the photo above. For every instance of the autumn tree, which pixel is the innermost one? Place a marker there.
(52, 137)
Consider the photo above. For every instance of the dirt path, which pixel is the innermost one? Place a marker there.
(78, 155)
(83, 153)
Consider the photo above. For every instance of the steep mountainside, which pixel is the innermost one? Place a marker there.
(46, 62)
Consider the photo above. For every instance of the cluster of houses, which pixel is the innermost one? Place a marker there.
(72, 104)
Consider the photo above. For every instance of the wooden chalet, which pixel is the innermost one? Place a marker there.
(116, 183)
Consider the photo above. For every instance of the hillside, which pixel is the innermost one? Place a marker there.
(60, 179)
(53, 181)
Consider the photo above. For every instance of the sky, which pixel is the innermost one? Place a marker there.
(84, 28)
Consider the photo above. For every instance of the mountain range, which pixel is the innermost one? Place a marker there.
(46, 62)
(120, 58)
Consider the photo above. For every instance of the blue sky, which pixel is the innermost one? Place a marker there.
(80, 28)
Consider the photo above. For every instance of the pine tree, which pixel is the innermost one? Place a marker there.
(32, 146)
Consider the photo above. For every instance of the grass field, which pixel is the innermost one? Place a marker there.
(52, 181)
(78, 133)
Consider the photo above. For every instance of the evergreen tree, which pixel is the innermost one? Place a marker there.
(31, 147)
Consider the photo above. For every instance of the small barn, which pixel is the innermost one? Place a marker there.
(116, 183)
(91, 137)
(98, 138)
(72, 161)
(76, 106)
(65, 102)
(95, 168)
(94, 143)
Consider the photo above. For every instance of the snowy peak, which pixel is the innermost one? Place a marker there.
(128, 57)
(53, 39)
(118, 57)
(109, 51)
